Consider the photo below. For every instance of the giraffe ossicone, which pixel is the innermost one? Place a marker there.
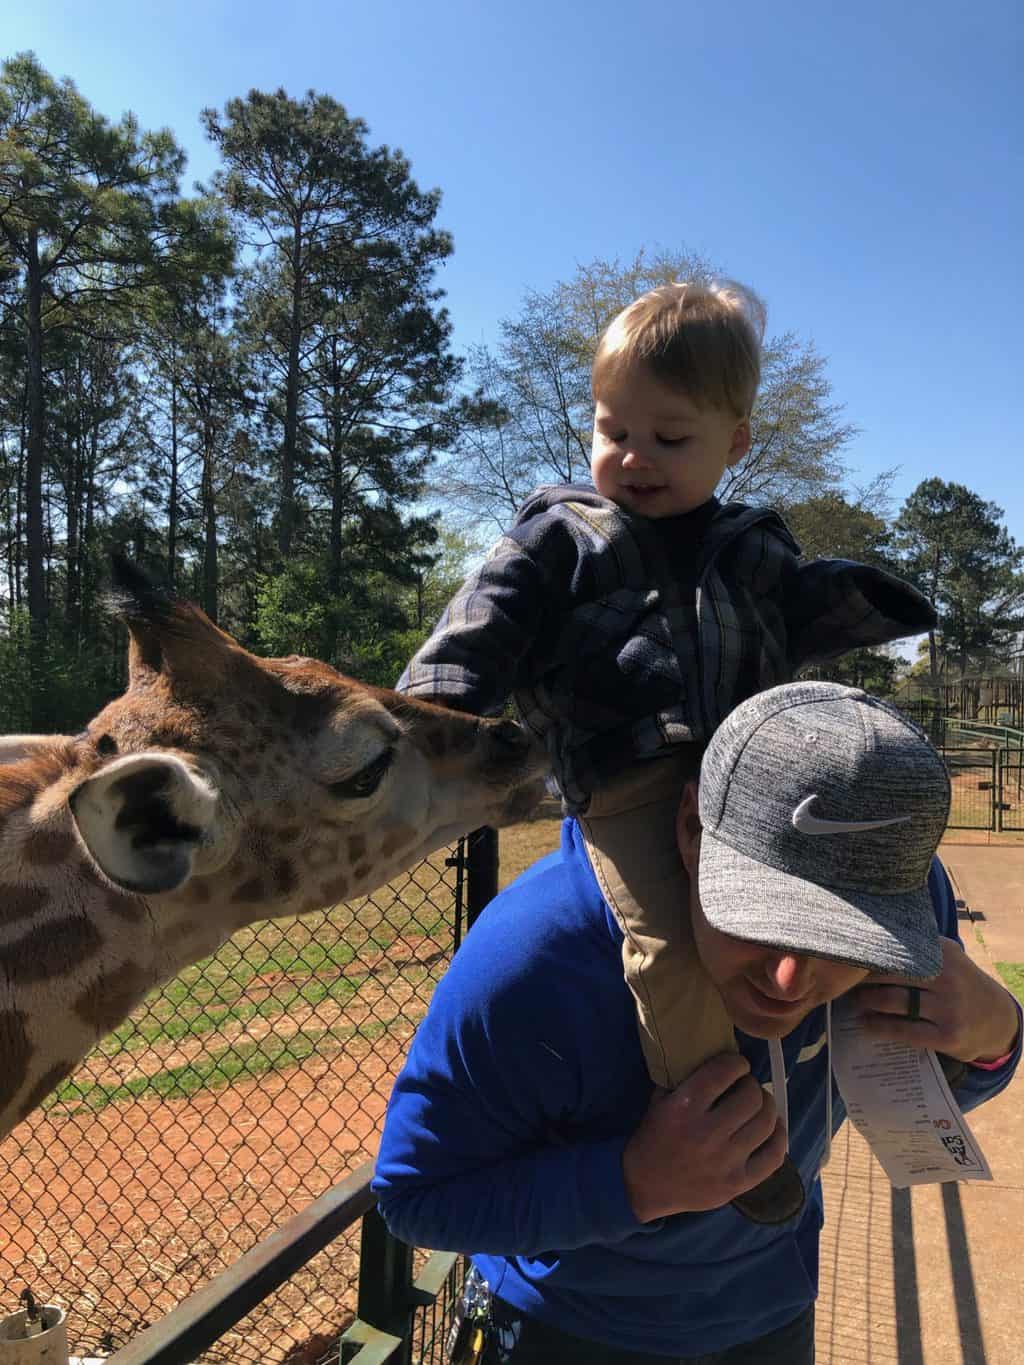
(219, 789)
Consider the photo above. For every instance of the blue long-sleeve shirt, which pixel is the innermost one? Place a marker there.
(505, 1132)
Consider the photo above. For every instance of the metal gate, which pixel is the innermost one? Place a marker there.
(987, 789)
(986, 768)
(974, 778)
(1010, 802)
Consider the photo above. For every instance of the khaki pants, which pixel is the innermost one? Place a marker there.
(630, 835)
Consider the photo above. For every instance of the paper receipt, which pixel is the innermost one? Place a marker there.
(898, 1099)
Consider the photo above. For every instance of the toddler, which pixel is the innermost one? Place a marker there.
(628, 619)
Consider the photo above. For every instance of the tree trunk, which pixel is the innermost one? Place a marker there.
(10, 493)
(88, 523)
(172, 494)
(287, 509)
(19, 514)
(332, 623)
(34, 487)
(72, 582)
(209, 593)
(933, 651)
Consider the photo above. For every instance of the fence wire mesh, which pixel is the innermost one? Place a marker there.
(1011, 791)
(986, 768)
(234, 1096)
(974, 780)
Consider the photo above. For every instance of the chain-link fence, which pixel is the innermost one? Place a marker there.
(985, 768)
(973, 778)
(1011, 790)
(237, 1094)
(928, 716)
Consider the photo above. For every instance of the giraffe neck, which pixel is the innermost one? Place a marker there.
(77, 955)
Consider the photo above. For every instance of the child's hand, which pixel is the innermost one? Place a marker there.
(963, 1011)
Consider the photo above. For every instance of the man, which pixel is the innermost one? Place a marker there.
(524, 1130)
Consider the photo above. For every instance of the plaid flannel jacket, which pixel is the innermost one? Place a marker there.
(577, 615)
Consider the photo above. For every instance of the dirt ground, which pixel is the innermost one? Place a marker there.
(119, 1214)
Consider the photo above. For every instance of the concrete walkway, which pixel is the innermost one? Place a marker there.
(935, 1275)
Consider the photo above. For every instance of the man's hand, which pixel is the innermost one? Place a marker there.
(715, 1136)
(964, 1012)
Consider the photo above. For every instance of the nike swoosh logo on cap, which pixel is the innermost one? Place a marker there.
(807, 823)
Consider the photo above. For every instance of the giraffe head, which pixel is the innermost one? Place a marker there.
(219, 789)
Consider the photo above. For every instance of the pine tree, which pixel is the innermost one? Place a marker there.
(954, 545)
(341, 304)
(86, 213)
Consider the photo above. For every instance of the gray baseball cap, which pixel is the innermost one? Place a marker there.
(822, 808)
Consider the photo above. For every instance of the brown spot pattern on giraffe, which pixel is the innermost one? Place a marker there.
(104, 1003)
(356, 847)
(20, 902)
(403, 836)
(52, 947)
(252, 891)
(48, 848)
(187, 928)
(16, 1051)
(125, 906)
(199, 891)
(285, 879)
(333, 891)
(321, 856)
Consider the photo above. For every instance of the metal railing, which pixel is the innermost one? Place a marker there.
(1004, 736)
(396, 1311)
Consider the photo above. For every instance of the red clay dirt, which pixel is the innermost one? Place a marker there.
(120, 1214)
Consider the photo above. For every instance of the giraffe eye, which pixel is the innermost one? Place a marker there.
(365, 782)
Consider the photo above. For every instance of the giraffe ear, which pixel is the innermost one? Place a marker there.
(143, 819)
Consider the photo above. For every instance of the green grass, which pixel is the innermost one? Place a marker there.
(211, 994)
(272, 970)
(1013, 974)
(245, 1060)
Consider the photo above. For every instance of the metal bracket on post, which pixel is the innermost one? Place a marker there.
(365, 1345)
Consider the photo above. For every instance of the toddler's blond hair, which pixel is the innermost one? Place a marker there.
(704, 339)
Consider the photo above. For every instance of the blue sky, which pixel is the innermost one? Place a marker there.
(855, 164)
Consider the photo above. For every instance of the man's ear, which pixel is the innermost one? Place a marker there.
(740, 444)
(688, 828)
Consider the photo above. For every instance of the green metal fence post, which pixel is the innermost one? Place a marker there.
(481, 871)
(384, 1299)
